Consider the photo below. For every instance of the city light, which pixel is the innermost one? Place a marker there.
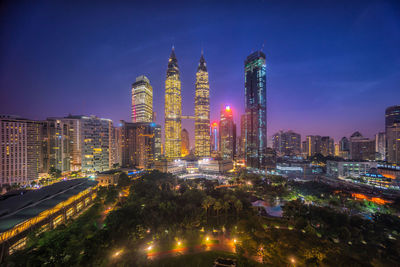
(118, 253)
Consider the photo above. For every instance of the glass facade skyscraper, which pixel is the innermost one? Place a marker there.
(142, 100)
(227, 134)
(392, 127)
(173, 109)
(256, 109)
(202, 111)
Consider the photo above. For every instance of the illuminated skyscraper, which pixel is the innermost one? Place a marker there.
(140, 144)
(256, 109)
(227, 134)
(214, 137)
(173, 109)
(185, 143)
(380, 145)
(392, 126)
(142, 100)
(327, 146)
(20, 150)
(286, 143)
(202, 111)
(55, 145)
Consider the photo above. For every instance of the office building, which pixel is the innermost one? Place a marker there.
(392, 128)
(89, 143)
(312, 145)
(380, 146)
(286, 143)
(20, 150)
(202, 111)
(256, 109)
(55, 145)
(227, 134)
(173, 110)
(327, 146)
(344, 169)
(361, 148)
(214, 137)
(140, 144)
(142, 100)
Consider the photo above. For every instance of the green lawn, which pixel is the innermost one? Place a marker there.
(200, 259)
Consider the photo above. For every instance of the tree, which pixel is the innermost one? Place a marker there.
(217, 207)
(55, 173)
(238, 206)
(123, 180)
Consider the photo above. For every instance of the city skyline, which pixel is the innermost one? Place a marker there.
(335, 95)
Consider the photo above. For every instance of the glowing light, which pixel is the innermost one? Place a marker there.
(234, 241)
(207, 238)
(116, 254)
(228, 108)
(149, 248)
(179, 243)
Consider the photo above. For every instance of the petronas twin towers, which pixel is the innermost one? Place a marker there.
(173, 110)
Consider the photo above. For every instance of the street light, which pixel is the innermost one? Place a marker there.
(117, 253)
(149, 248)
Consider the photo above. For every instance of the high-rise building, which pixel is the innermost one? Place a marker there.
(185, 143)
(115, 151)
(227, 134)
(20, 150)
(142, 100)
(337, 150)
(89, 143)
(202, 111)
(361, 148)
(380, 146)
(173, 110)
(242, 140)
(344, 148)
(214, 137)
(327, 146)
(140, 144)
(256, 109)
(344, 144)
(55, 145)
(392, 127)
(312, 145)
(286, 143)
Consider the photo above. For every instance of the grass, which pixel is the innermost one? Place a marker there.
(200, 259)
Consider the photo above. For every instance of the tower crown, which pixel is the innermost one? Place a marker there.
(202, 63)
(172, 63)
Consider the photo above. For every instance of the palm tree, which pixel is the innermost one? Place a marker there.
(217, 207)
(238, 206)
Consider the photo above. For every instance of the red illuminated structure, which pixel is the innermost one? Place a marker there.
(227, 133)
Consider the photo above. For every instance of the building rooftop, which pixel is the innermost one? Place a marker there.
(17, 209)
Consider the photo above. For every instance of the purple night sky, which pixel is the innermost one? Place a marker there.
(332, 66)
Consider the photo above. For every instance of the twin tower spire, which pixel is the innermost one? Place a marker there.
(173, 110)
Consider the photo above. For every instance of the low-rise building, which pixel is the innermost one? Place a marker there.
(343, 169)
